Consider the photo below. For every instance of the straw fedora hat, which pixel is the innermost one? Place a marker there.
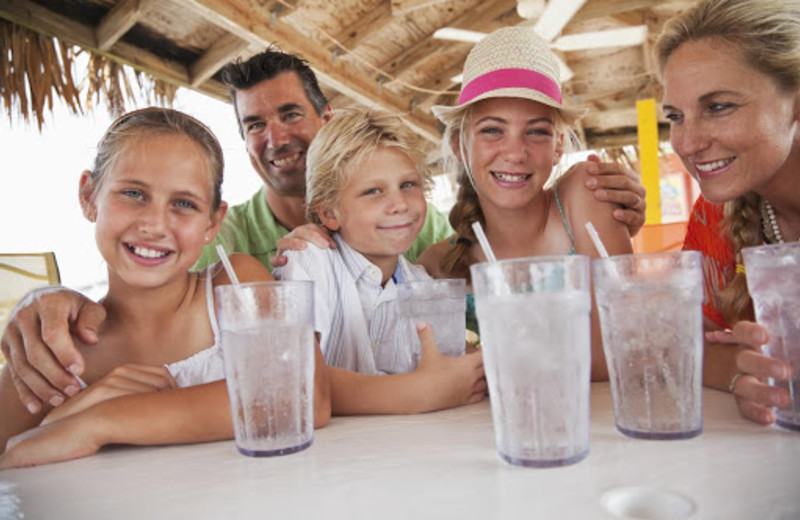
(510, 62)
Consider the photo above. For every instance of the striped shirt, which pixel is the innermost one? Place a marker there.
(357, 319)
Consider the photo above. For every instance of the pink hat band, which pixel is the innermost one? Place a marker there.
(510, 78)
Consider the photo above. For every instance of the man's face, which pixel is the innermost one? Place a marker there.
(278, 123)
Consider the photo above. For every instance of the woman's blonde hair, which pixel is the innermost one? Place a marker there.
(154, 121)
(467, 208)
(766, 35)
(344, 142)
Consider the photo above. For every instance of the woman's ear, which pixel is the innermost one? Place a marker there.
(216, 222)
(327, 215)
(86, 189)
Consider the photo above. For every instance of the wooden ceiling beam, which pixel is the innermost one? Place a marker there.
(600, 8)
(403, 7)
(255, 25)
(36, 18)
(370, 22)
(226, 49)
(119, 20)
(473, 19)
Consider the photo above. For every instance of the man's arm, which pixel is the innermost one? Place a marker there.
(619, 185)
(39, 348)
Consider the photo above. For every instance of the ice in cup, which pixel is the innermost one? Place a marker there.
(267, 337)
(441, 304)
(773, 280)
(651, 317)
(534, 315)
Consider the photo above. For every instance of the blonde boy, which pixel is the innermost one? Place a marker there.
(365, 182)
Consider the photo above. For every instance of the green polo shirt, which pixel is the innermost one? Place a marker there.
(251, 228)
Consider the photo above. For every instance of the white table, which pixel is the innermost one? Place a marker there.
(439, 465)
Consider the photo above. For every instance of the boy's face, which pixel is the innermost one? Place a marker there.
(381, 208)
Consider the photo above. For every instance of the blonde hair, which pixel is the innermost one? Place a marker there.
(766, 35)
(467, 208)
(152, 121)
(344, 142)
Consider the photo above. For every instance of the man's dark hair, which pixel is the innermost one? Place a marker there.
(239, 75)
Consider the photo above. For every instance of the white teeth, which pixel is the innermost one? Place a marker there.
(148, 253)
(286, 160)
(710, 167)
(510, 178)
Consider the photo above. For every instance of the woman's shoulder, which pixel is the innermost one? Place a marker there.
(431, 257)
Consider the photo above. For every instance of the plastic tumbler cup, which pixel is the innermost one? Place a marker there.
(534, 315)
(441, 304)
(650, 309)
(268, 343)
(773, 279)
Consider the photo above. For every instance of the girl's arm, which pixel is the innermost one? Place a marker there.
(581, 207)
(14, 417)
(438, 382)
(194, 414)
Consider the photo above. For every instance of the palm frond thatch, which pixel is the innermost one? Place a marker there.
(35, 69)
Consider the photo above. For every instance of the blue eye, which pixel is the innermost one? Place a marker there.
(185, 204)
(674, 117)
(371, 191)
(134, 194)
(491, 130)
(408, 184)
(719, 107)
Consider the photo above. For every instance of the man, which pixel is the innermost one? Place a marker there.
(280, 108)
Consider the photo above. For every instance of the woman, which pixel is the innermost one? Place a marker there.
(731, 73)
(504, 138)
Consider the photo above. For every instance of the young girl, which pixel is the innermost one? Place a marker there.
(155, 197)
(366, 183)
(504, 138)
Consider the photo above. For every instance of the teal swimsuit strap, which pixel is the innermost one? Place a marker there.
(564, 219)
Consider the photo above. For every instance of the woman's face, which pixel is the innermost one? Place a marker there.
(732, 126)
(512, 145)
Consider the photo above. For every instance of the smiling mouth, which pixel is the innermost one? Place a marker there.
(512, 177)
(146, 252)
(288, 160)
(714, 165)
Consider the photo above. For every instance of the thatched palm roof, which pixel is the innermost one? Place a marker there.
(372, 52)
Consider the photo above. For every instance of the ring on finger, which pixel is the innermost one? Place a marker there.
(734, 379)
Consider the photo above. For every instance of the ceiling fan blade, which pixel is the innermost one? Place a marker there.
(459, 35)
(625, 37)
(556, 16)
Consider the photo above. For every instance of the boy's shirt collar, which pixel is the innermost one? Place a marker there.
(358, 265)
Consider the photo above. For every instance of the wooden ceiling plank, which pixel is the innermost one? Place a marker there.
(226, 49)
(119, 20)
(341, 76)
(32, 16)
(371, 22)
(403, 7)
(600, 8)
(473, 19)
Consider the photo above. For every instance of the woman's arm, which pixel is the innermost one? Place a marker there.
(14, 417)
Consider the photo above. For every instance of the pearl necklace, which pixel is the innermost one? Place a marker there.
(769, 223)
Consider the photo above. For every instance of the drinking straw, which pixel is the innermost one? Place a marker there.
(484, 243)
(598, 244)
(231, 273)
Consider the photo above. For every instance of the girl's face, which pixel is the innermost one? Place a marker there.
(731, 125)
(153, 209)
(381, 208)
(512, 145)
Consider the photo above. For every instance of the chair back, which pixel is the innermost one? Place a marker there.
(22, 272)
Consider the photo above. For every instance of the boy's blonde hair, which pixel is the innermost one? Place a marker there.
(344, 142)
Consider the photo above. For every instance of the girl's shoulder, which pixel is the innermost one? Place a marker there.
(431, 257)
(246, 267)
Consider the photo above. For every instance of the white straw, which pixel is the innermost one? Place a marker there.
(484, 243)
(596, 239)
(237, 288)
(227, 264)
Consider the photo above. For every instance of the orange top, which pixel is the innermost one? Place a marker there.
(719, 263)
